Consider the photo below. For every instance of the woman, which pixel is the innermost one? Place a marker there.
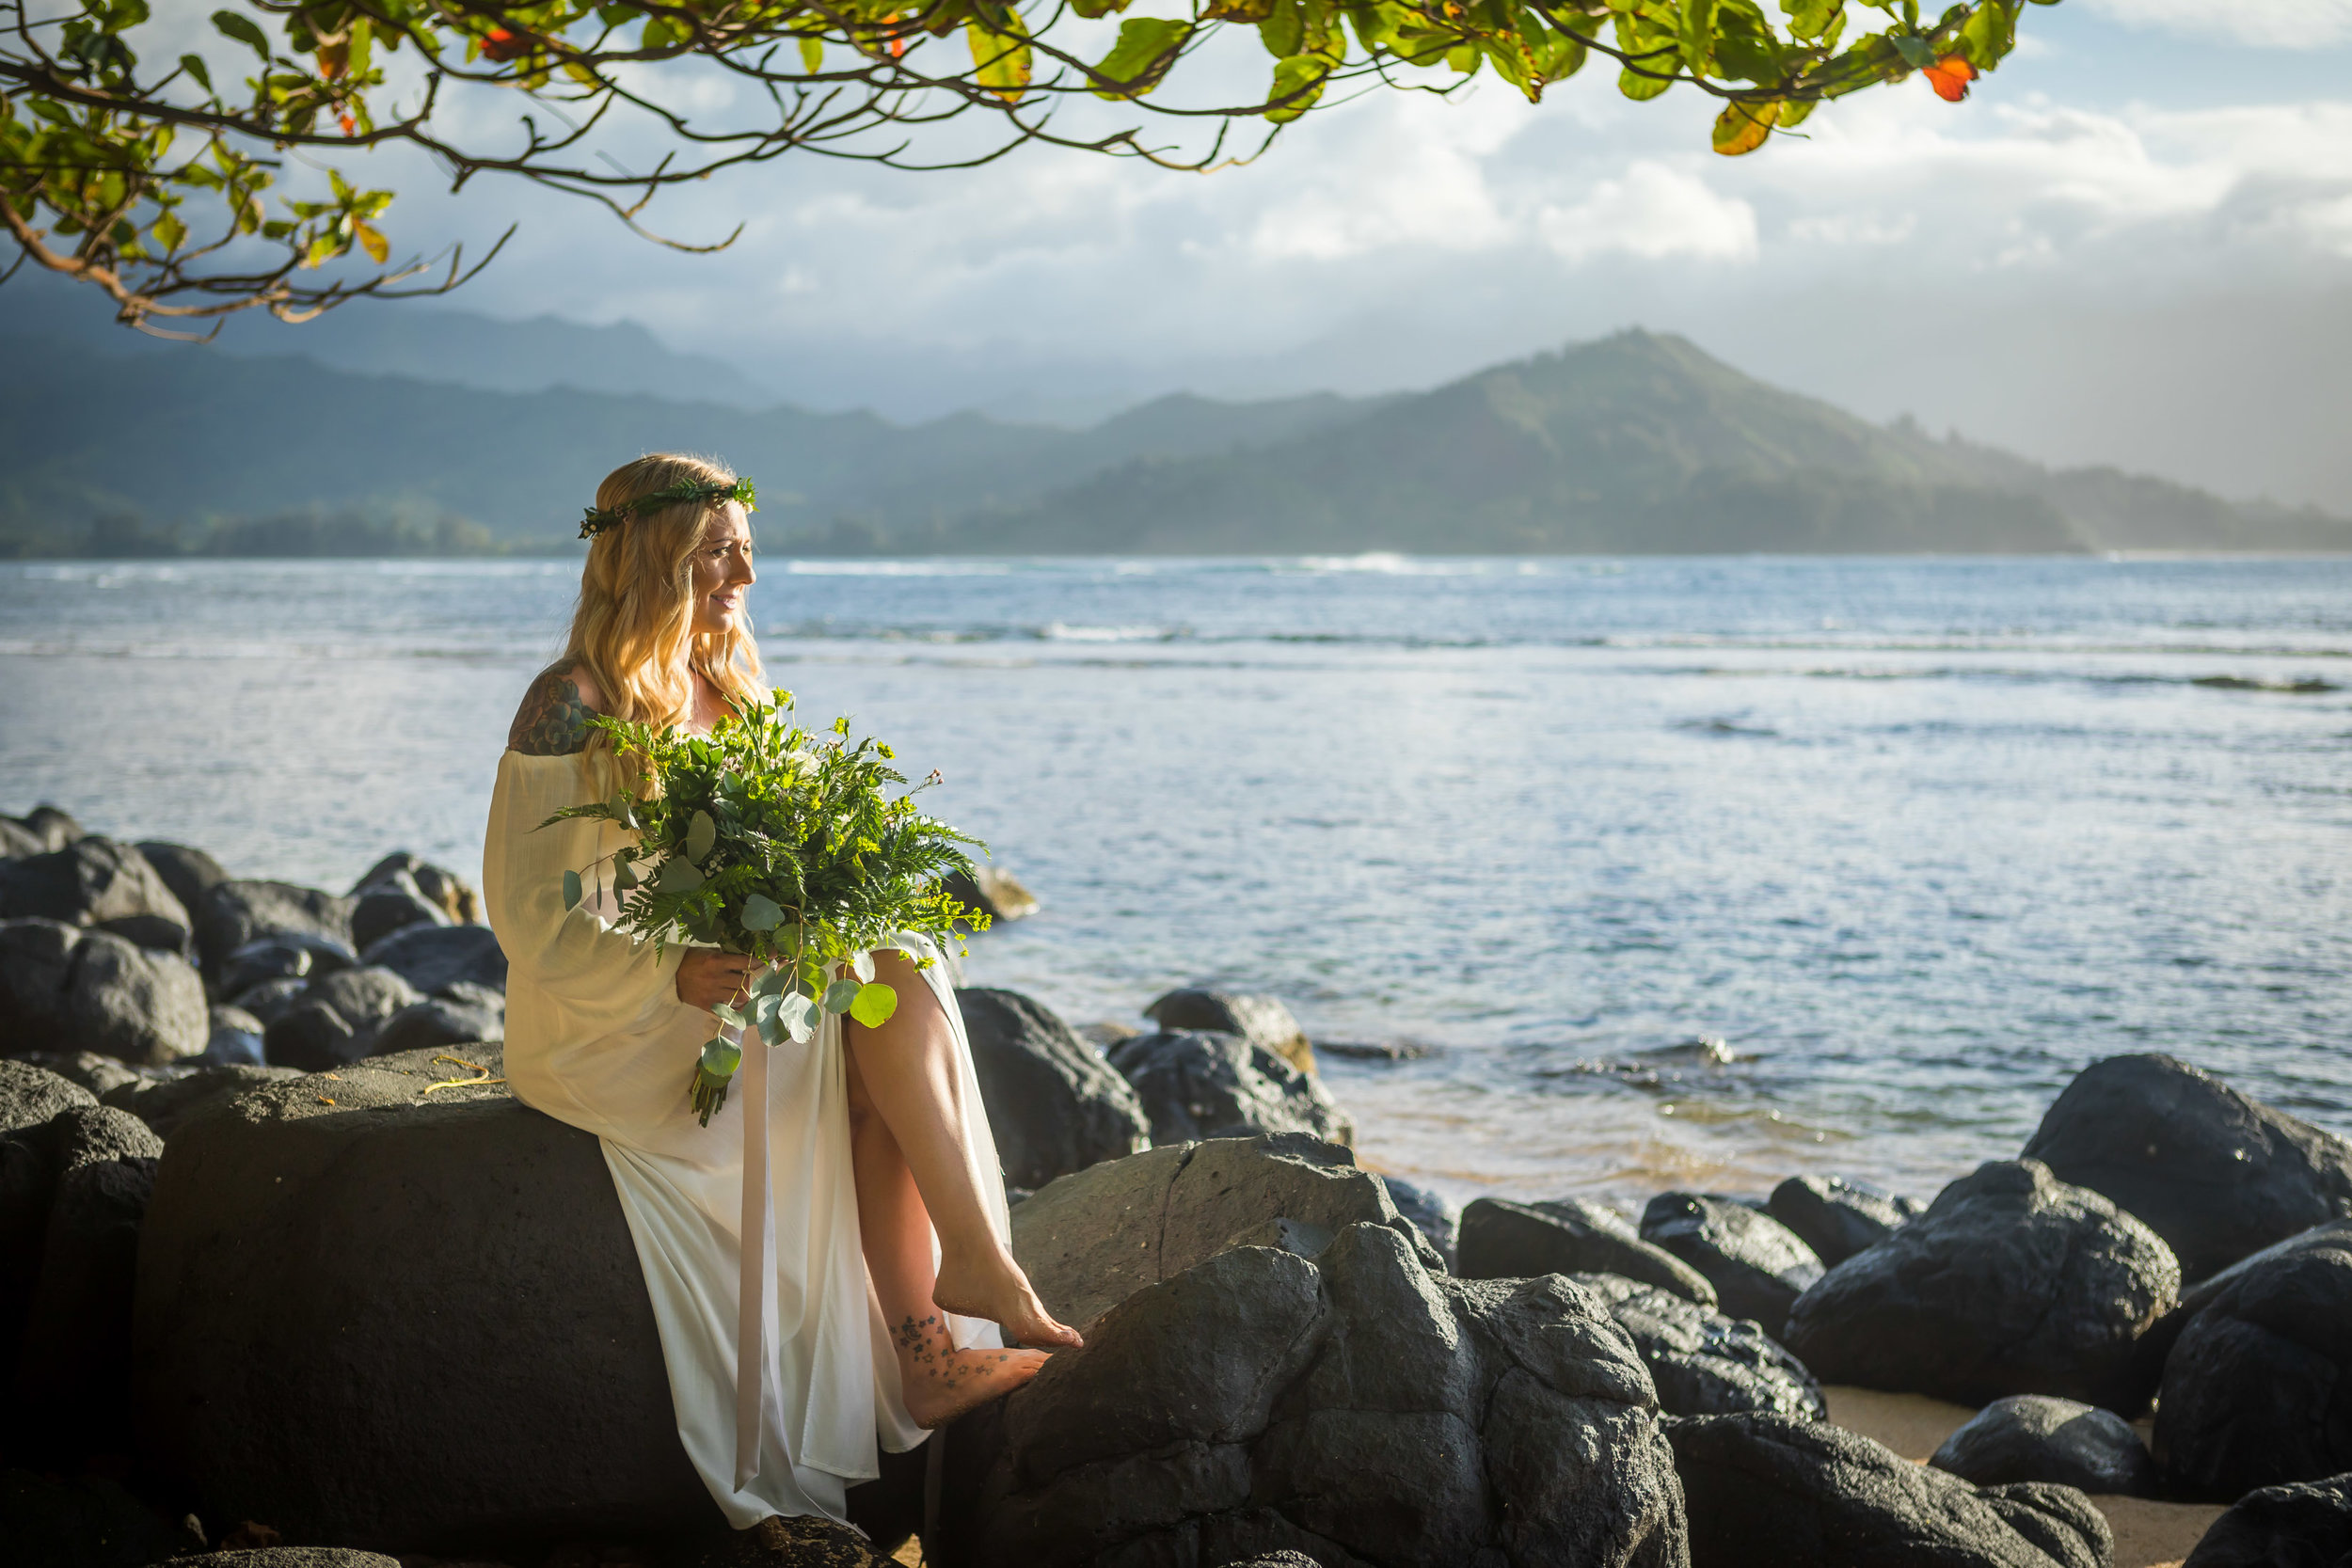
(878, 1264)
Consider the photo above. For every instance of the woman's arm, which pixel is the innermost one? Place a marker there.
(553, 718)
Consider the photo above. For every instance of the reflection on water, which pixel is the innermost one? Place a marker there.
(1684, 872)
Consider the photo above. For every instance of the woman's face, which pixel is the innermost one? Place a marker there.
(722, 569)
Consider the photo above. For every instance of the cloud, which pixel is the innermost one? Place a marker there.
(1651, 210)
(2261, 24)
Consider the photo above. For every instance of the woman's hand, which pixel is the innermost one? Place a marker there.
(706, 976)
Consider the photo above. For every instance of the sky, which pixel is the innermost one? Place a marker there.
(2132, 245)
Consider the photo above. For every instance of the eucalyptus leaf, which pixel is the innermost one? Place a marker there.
(721, 1056)
(571, 889)
(727, 1014)
(679, 875)
(762, 913)
(862, 965)
(874, 1005)
(839, 995)
(700, 834)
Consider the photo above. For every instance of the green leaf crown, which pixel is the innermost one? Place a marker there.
(739, 491)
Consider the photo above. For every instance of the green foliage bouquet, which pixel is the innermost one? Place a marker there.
(799, 850)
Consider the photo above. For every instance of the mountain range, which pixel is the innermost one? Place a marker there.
(1637, 443)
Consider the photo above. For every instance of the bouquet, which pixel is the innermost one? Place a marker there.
(799, 850)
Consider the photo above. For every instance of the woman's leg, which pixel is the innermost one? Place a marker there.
(938, 1382)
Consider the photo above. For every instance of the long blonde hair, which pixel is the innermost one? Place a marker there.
(634, 627)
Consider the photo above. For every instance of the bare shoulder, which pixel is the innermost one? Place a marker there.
(553, 718)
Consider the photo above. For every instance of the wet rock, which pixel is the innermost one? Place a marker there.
(1353, 1408)
(296, 1374)
(335, 1020)
(1260, 1020)
(2307, 1526)
(235, 1040)
(235, 913)
(1837, 1218)
(1501, 1239)
(392, 904)
(1776, 1492)
(1196, 1085)
(270, 1001)
(63, 990)
(437, 1022)
(2065, 1442)
(996, 893)
(442, 887)
(69, 1365)
(1757, 1264)
(2012, 1282)
(1053, 1102)
(189, 873)
(434, 958)
(281, 956)
(1703, 1362)
(2215, 1172)
(1090, 1240)
(1431, 1214)
(95, 882)
(167, 1104)
(51, 1521)
(2258, 1388)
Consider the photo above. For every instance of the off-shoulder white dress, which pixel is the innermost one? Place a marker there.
(596, 1037)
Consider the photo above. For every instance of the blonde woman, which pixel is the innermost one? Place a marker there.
(879, 1268)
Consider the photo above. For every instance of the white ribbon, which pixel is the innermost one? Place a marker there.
(755, 1304)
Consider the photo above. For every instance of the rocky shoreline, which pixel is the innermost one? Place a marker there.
(285, 1273)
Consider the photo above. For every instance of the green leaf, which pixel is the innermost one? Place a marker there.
(1698, 33)
(241, 30)
(799, 1017)
(840, 995)
(721, 1056)
(1989, 35)
(728, 1014)
(678, 875)
(193, 65)
(771, 982)
(1147, 46)
(1810, 18)
(1000, 59)
(658, 34)
(1284, 30)
(1638, 88)
(169, 232)
(1303, 75)
(812, 54)
(1793, 112)
(1914, 51)
(762, 913)
(701, 834)
(571, 889)
(1744, 127)
(874, 1005)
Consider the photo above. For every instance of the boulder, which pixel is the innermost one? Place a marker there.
(70, 1364)
(235, 913)
(1757, 1264)
(1055, 1106)
(30, 1095)
(335, 1020)
(1260, 1020)
(2215, 1172)
(79, 1522)
(270, 1001)
(2306, 1526)
(189, 873)
(1837, 1218)
(85, 1069)
(391, 905)
(1778, 1492)
(18, 841)
(53, 827)
(1703, 1362)
(281, 956)
(1090, 1240)
(996, 894)
(1431, 1214)
(235, 1040)
(63, 990)
(2258, 1388)
(439, 1022)
(167, 1104)
(434, 958)
(2065, 1442)
(1353, 1408)
(289, 1556)
(377, 1313)
(1197, 1086)
(2012, 1282)
(442, 887)
(31, 1098)
(1501, 1239)
(95, 882)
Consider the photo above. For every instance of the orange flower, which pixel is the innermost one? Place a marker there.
(1950, 77)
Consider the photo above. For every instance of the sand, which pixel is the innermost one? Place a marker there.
(2147, 1534)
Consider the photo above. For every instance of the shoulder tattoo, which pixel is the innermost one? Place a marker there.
(552, 722)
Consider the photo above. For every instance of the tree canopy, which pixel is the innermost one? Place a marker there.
(154, 176)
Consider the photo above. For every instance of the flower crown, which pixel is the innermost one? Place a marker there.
(738, 490)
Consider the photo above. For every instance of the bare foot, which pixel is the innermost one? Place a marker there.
(996, 1289)
(939, 1383)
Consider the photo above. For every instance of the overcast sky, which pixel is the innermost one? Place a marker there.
(2133, 244)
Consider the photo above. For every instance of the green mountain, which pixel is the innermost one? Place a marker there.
(1635, 443)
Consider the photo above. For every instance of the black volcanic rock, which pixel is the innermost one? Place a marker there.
(1757, 1264)
(1053, 1103)
(2034, 1438)
(1195, 1085)
(2215, 1172)
(1837, 1218)
(2308, 1525)
(1501, 1239)
(1704, 1363)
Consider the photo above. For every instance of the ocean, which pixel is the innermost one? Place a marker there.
(1674, 873)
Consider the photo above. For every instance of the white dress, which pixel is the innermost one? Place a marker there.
(596, 1037)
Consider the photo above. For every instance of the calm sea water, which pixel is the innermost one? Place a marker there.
(1687, 872)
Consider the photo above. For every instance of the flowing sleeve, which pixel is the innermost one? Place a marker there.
(602, 981)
